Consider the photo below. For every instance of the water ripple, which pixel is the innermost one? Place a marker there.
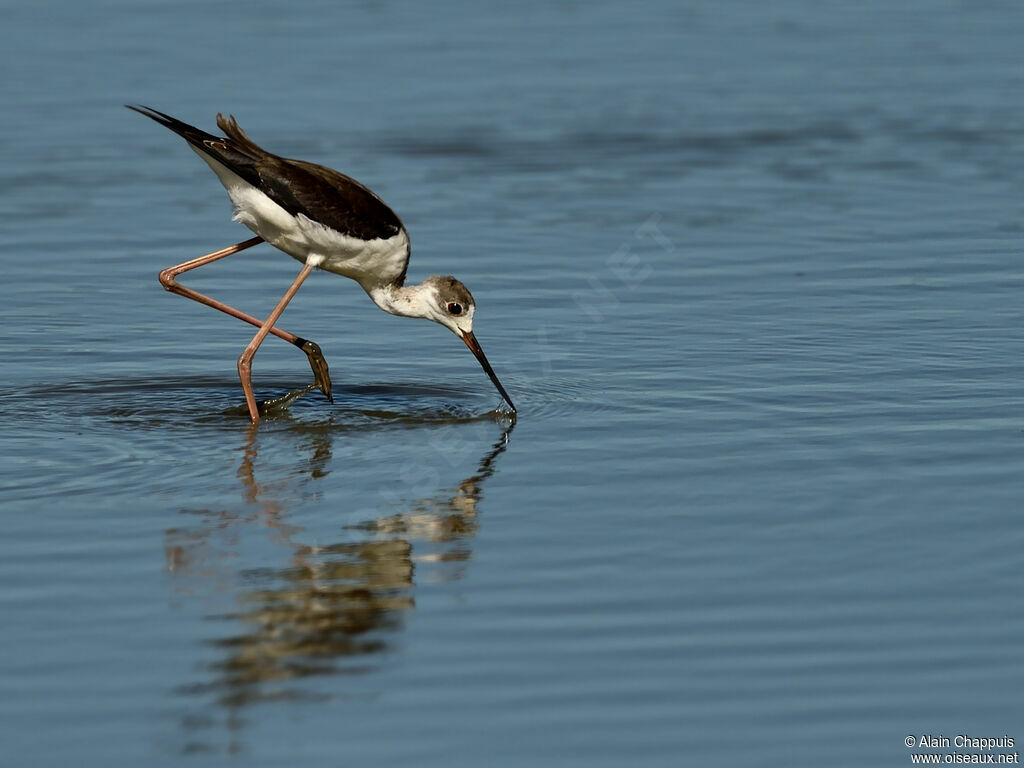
(217, 402)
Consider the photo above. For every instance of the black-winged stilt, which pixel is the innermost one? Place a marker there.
(326, 220)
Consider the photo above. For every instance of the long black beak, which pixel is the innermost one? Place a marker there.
(478, 352)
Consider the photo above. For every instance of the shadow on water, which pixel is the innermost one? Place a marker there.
(330, 609)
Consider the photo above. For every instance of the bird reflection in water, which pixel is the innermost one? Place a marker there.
(334, 606)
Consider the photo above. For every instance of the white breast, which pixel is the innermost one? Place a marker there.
(370, 262)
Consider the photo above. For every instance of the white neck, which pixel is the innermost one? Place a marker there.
(406, 301)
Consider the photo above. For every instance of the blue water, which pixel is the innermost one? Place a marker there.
(751, 273)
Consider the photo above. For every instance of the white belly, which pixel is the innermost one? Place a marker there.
(369, 262)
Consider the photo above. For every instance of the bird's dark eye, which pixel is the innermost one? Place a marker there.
(454, 308)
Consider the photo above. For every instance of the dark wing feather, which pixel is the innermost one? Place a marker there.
(319, 193)
(328, 197)
(239, 158)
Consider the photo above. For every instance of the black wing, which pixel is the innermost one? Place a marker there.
(319, 193)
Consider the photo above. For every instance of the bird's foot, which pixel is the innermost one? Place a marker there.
(321, 374)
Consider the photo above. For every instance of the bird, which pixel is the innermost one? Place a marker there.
(327, 221)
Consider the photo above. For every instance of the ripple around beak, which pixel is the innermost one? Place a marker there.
(478, 352)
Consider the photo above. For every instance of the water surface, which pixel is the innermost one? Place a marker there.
(750, 272)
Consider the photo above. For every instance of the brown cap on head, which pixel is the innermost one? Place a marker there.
(449, 289)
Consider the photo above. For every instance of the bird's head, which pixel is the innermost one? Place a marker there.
(451, 304)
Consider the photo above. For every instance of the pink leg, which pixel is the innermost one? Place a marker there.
(317, 362)
(245, 359)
